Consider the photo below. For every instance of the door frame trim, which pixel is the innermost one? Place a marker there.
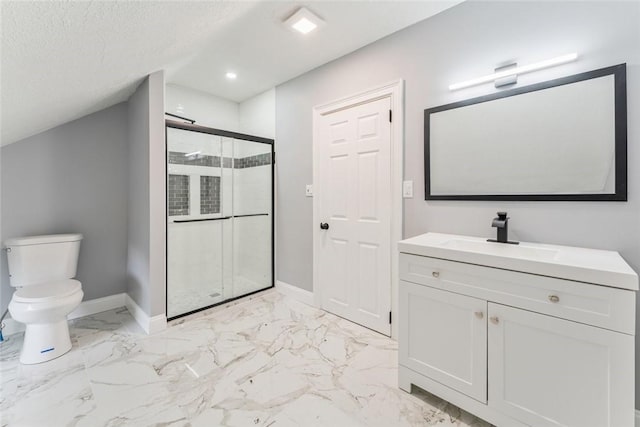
(393, 90)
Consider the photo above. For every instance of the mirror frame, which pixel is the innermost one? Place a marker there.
(620, 100)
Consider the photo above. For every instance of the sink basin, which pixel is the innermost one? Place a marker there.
(501, 249)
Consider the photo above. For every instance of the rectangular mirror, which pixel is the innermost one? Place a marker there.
(564, 139)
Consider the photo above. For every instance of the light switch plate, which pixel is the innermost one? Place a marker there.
(407, 189)
(308, 191)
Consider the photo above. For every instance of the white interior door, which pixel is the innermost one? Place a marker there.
(354, 193)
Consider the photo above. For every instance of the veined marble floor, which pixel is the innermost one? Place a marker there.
(270, 361)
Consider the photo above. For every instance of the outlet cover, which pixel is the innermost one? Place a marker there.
(308, 191)
(407, 189)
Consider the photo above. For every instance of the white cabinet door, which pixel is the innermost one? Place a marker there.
(547, 371)
(354, 192)
(443, 336)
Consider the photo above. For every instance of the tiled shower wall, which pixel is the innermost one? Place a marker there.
(178, 195)
(178, 158)
(252, 161)
(214, 161)
(210, 197)
(209, 194)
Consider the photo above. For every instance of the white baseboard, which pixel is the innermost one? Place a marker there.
(98, 305)
(86, 308)
(157, 323)
(295, 292)
(150, 325)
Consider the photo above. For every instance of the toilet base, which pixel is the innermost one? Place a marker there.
(43, 342)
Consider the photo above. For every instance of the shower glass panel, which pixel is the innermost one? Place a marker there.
(252, 216)
(219, 216)
(195, 226)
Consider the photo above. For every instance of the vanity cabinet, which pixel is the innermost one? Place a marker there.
(445, 337)
(547, 371)
(517, 348)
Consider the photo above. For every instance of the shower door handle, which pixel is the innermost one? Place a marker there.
(324, 226)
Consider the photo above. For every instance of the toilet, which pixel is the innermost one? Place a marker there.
(42, 269)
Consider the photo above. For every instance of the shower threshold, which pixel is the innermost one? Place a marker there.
(219, 303)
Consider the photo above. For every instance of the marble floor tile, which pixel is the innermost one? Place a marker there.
(55, 393)
(268, 361)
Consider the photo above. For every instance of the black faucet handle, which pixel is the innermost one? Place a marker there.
(502, 216)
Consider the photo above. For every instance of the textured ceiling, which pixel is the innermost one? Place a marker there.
(62, 60)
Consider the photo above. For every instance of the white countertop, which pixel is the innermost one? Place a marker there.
(585, 265)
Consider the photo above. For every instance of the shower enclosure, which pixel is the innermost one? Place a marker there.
(219, 216)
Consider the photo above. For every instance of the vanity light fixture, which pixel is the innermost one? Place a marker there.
(515, 71)
(304, 21)
(231, 75)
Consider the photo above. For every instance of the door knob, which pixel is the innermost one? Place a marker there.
(479, 314)
(554, 298)
(494, 320)
(324, 226)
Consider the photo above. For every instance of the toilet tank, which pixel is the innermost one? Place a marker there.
(38, 259)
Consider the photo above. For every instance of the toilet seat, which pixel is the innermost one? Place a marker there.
(47, 291)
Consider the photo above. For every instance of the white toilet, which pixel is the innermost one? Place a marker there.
(42, 268)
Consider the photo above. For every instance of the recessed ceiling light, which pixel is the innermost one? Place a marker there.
(304, 21)
(231, 75)
(304, 26)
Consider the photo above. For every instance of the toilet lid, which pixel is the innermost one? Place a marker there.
(47, 291)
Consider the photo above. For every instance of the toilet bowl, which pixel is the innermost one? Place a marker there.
(41, 268)
(44, 309)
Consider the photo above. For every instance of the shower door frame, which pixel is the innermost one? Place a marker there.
(229, 134)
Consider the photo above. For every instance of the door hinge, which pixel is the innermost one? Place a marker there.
(389, 317)
(390, 116)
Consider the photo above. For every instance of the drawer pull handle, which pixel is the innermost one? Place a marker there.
(494, 319)
(479, 314)
(554, 298)
(435, 274)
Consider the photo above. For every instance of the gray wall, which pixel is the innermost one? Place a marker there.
(146, 199)
(102, 176)
(157, 195)
(72, 178)
(137, 268)
(461, 43)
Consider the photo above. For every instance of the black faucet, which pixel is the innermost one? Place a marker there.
(502, 224)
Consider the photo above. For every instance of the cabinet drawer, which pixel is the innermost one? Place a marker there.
(596, 305)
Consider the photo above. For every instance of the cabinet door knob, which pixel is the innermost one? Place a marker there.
(479, 314)
(494, 319)
(554, 298)
(435, 274)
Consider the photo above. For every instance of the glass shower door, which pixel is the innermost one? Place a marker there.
(195, 223)
(219, 217)
(252, 216)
